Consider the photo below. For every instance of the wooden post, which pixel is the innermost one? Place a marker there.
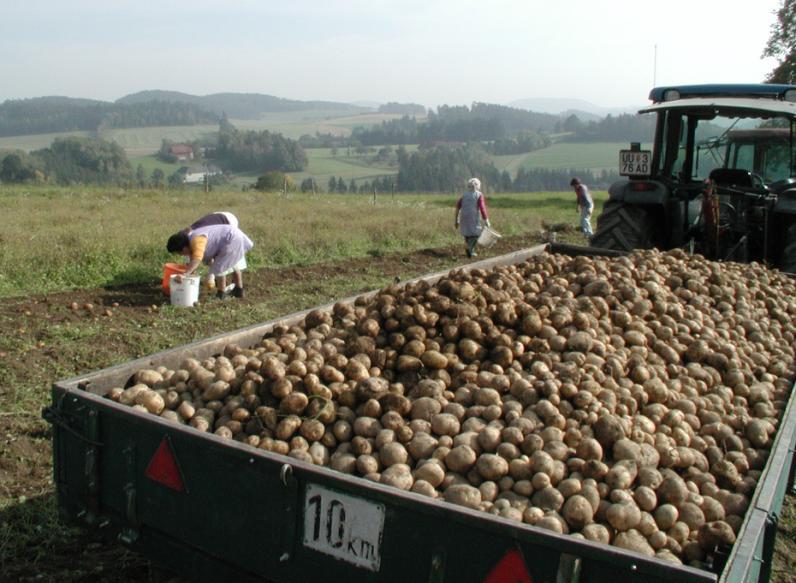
(393, 192)
(374, 196)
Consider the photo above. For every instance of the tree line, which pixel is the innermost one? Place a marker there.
(261, 151)
(70, 160)
(61, 114)
(503, 130)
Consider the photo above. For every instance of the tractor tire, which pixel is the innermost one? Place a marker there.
(623, 227)
(788, 260)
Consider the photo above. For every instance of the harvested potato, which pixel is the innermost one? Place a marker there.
(629, 400)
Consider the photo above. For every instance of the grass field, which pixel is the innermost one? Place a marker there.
(295, 124)
(59, 239)
(150, 162)
(143, 141)
(596, 157)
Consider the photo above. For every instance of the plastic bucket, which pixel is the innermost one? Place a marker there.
(488, 237)
(186, 292)
(170, 269)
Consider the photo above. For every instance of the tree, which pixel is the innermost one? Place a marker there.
(271, 181)
(158, 178)
(176, 179)
(341, 187)
(782, 44)
(140, 176)
(352, 186)
(332, 186)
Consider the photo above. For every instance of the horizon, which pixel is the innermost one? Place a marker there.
(427, 53)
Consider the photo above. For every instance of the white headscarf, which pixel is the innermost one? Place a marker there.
(475, 183)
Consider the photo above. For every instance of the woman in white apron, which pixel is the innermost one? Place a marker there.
(468, 208)
(222, 247)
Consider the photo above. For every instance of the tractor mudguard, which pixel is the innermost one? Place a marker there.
(786, 203)
(646, 192)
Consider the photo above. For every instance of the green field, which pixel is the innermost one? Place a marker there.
(151, 162)
(62, 238)
(143, 141)
(295, 124)
(595, 156)
(35, 142)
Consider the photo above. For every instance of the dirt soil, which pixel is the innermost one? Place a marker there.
(51, 551)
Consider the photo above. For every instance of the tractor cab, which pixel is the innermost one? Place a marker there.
(720, 178)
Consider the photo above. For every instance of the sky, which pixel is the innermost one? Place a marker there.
(432, 52)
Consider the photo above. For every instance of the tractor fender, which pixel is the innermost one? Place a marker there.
(642, 192)
(786, 203)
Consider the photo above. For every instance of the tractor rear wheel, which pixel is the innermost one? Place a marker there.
(623, 227)
(788, 262)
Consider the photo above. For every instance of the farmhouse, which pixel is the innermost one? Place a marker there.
(181, 152)
(196, 174)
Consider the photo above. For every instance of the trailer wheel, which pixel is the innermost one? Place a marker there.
(788, 263)
(623, 227)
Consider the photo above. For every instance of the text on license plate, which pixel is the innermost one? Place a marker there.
(634, 163)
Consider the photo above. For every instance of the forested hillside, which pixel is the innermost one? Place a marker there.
(239, 105)
(43, 115)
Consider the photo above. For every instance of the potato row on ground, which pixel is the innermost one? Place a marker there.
(630, 401)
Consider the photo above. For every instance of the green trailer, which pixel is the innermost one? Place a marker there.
(214, 509)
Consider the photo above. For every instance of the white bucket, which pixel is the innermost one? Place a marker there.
(488, 237)
(186, 292)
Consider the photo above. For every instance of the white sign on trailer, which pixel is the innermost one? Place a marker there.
(343, 526)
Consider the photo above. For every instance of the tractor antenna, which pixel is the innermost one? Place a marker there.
(655, 67)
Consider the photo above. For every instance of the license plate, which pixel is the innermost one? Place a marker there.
(633, 163)
(345, 527)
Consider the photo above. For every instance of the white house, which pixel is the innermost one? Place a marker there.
(196, 174)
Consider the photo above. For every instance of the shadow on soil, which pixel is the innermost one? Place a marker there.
(38, 546)
(135, 294)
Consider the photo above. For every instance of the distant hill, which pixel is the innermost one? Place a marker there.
(42, 115)
(585, 110)
(240, 105)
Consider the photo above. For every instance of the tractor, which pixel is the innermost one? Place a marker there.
(720, 179)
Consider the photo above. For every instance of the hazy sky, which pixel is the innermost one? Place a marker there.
(425, 51)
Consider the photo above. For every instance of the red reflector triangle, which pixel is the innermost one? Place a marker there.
(510, 569)
(163, 467)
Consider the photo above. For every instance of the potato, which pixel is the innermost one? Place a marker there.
(150, 400)
(578, 512)
(637, 396)
(623, 516)
(393, 453)
(461, 459)
(633, 540)
(463, 495)
(432, 473)
(491, 467)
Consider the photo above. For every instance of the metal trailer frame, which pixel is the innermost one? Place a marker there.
(241, 513)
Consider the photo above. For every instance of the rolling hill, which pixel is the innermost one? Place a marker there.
(240, 105)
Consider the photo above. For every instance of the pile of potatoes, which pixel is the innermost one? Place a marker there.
(630, 401)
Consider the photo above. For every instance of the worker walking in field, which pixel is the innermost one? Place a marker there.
(468, 208)
(585, 206)
(222, 247)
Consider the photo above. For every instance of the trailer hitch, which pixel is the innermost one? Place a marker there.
(54, 415)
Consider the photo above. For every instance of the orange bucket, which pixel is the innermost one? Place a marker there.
(170, 269)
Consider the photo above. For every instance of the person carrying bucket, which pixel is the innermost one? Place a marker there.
(468, 207)
(222, 247)
(217, 218)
